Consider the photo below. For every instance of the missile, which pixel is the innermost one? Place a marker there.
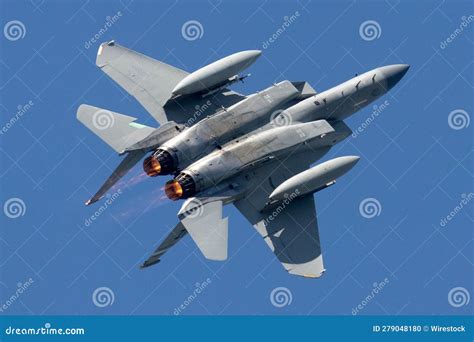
(216, 74)
(314, 179)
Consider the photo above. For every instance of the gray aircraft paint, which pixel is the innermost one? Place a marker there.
(232, 153)
(345, 99)
(313, 179)
(247, 153)
(217, 73)
(228, 124)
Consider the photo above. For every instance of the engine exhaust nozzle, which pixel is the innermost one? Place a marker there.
(151, 166)
(183, 186)
(159, 163)
(173, 190)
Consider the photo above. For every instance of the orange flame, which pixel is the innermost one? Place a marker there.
(173, 190)
(152, 166)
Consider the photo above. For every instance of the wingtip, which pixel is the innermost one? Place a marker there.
(92, 200)
(148, 264)
(314, 276)
(80, 110)
(100, 61)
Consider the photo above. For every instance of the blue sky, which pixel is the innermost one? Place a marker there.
(416, 161)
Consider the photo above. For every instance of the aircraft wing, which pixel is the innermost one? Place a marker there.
(151, 83)
(289, 228)
(148, 80)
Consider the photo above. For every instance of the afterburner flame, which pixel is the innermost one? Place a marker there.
(173, 190)
(152, 166)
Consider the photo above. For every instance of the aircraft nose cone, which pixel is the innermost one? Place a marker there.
(394, 73)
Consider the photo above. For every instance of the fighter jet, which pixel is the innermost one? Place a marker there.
(220, 147)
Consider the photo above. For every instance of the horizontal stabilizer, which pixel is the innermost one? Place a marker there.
(127, 163)
(117, 130)
(173, 237)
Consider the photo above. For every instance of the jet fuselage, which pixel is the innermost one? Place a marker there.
(253, 151)
(308, 126)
